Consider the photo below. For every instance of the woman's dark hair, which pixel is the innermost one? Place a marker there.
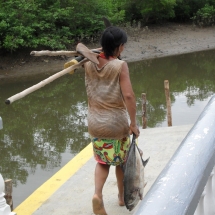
(111, 39)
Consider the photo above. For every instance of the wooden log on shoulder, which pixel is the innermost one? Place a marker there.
(64, 53)
(44, 82)
(54, 53)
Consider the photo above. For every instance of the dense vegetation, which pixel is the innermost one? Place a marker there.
(57, 24)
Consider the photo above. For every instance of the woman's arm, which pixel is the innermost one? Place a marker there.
(129, 97)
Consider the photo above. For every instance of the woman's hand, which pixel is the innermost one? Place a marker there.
(134, 129)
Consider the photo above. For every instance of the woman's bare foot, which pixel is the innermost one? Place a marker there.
(121, 201)
(98, 206)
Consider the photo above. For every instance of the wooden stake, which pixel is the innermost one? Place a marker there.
(168, 102)
(144, 119)
(8, 193)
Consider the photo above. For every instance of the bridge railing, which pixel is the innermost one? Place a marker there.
(179, 188)
(207, 201)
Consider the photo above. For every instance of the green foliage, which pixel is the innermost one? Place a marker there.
(52, 24)
(132, 12)
(205, 16)
(150, 10)
(158, 10)
(59, 24)
(184, 9)
(28, 24)
(115, 11)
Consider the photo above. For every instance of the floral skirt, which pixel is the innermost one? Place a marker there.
(110, 151)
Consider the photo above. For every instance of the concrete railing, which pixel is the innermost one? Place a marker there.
(179, 187)
(4, 207)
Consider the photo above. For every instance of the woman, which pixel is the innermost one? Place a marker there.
(110, 101)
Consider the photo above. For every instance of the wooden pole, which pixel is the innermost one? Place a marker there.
(54, 53)
(168, 102)
(81, 49)
(8, 193)
(144, 119)
(60, 53)
(44, 82)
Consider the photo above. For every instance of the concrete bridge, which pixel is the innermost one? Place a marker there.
(172, 151)
(70, 190)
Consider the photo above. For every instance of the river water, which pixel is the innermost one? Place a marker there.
(47, 128)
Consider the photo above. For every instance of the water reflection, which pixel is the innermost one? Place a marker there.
(42, 126)
(192, 75)
(47, 128)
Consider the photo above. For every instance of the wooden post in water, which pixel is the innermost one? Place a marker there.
(168, 102)
(8, 193)
(4, 207)
(144, 119)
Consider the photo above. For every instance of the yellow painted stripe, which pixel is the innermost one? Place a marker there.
(39, 196)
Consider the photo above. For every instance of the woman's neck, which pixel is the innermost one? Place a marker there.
(102, 55)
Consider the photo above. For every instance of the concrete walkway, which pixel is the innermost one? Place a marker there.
(74, 196)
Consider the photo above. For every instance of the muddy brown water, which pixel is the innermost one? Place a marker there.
(47, 128)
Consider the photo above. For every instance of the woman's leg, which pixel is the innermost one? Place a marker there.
(101, 174)
(120, 176)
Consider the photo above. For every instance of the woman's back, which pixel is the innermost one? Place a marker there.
(107, 116)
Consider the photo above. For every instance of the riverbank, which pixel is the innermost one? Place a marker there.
(144, 43)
